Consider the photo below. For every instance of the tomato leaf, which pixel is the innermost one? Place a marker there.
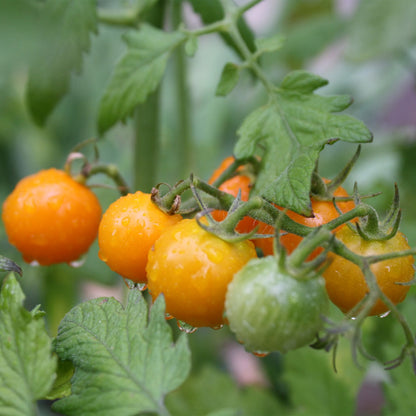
(69, 25)
(374, 30)
(27, 366)
(124, 362)
(137, 74)
(292, 128)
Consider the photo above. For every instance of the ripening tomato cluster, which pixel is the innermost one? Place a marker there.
(206, 281)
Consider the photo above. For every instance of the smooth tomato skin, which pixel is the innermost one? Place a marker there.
(323, 211)
(232, 186)
(192, 268)
(270, 310)
(51, 218)
(345, 282)
(129, 228)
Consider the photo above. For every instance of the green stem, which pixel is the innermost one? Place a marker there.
(247, 7)
(183, 141)
(146, 145)
(147, 124)
(112, 172)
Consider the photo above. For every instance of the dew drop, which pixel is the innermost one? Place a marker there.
(383, 315)
(183, 326)
(141, 286)
(129, 283)
(217, 327)
(77, 263)
(34, 263)
(125, 221)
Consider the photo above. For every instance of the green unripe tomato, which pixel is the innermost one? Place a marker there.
(270, 310)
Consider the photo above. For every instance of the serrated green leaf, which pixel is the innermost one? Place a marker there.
(229, 79)
(69, 24)
(292, 128)
(195, 397)
(124, 362)
(138, 73)
(381, 28)
(27, 366)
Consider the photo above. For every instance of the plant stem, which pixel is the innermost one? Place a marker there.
(146, 127)
(183, 141)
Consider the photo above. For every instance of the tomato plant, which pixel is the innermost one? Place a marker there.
(345, 282)
(192, 268)
(143, 98)
(51, 218)
(129, 228)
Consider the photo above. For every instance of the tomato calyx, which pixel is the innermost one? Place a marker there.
(226, 229)
(372, 227)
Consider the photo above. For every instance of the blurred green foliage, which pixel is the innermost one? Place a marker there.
(369, 55)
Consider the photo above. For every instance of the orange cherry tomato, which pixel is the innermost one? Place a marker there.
(232, 186)
(345, 282)
(128, 230)
(323, 212)
(51, 218)
(192, 268)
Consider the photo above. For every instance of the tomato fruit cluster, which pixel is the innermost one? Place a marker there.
(51, 218)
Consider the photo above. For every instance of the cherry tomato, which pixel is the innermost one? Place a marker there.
(345, 282)
(323, 212)
(269, 309)
(127, 231)
(192, 268)
(233, 186)
(51, 218)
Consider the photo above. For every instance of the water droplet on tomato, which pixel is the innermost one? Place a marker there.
(217, 327)
(383, 315)
(125, 221)
(34, 263)
(183, 326)
(77, 263)
(141, 286)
